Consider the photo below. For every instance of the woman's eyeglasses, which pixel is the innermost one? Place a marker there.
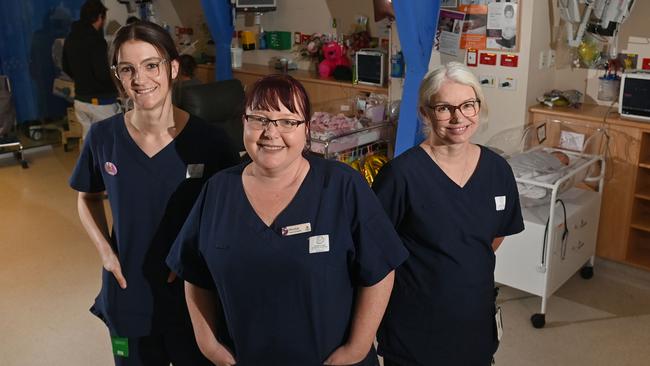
(126, 71)
(261, 123)
(444, 112)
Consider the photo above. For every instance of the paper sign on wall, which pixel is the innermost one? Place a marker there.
(488, 58)
(509, 60)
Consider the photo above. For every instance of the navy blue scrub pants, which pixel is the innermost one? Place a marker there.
(177, 347)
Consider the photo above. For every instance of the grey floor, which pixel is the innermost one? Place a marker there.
(49, 275)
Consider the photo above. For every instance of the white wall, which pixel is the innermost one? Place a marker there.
(509, 108)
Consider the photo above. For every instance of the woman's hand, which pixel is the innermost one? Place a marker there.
(220, 355)
(347, 355)
(111, 263)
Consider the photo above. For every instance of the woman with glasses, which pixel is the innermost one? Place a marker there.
(452, 203)
(152, 162)
(296, 249)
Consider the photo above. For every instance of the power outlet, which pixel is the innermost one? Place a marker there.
(487, 81)
(541, 65)
(550, 59)
(507, 83)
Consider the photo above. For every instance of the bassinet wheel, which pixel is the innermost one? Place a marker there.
(538, 320)
(587, 272)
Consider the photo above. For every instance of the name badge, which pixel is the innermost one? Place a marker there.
(194, 171)
(500, 202)
(499, 322)
(296, 229)
(319, 244)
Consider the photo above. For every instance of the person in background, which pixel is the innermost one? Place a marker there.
(185, 77)
(152, 162)
(85, 61)
(132, 19)
(452, 203)
(295, 249)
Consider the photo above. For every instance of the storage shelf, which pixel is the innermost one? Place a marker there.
(643, 196)
(641, 221)
(639, 248)
(644, 165)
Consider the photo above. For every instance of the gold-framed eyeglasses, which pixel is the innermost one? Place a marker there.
(261, 123)
(444, 112)
(125, 71)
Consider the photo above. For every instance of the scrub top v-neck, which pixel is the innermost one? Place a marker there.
(150, 198)
(442, 306)
(288, 289)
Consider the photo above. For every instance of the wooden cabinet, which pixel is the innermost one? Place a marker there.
(638, 249)
(319, 89)
(624, 230)
(204, 73)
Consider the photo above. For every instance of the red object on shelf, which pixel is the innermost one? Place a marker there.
(509, 60)
(488, 58)
(645, 64)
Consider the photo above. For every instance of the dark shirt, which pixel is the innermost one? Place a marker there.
(441, 311)
(150, 198)
(288, 295)
(85, 59)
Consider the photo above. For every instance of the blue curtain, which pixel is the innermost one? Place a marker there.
(27, 30)
(416, 23)
(218, 15)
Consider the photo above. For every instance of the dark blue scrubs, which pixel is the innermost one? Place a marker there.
(441, 311)
(284, 305)
(150, 198)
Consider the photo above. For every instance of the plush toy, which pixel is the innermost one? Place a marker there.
(334, 56)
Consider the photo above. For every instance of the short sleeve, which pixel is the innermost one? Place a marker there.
(378, 248)
(185, 258)
(390, 189)
(87, 174)
(512, 222)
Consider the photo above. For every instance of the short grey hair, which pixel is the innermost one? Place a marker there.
(433, 80)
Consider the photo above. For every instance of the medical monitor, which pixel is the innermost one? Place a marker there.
(255, 6)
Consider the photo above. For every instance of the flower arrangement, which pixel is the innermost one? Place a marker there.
(312, 48)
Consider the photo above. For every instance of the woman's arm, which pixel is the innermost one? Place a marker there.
(202, 304)
(93, 218)
(496, 242)
(370, 307)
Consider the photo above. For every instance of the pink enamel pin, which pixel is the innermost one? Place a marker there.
(110, 168)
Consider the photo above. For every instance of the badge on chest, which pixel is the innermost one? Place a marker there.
(319, 244)
(296, 229)
(194, 171)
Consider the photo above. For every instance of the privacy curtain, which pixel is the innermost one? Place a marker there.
(218, 15)
(416, 23)
(28, 29)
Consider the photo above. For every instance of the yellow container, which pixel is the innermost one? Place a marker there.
(247, 40)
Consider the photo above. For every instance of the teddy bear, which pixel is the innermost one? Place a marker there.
(334, 55)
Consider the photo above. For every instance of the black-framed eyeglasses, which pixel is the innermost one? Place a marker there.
(261, 123)
(444, 112)
(125, 71)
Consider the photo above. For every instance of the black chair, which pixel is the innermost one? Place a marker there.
(218, 102)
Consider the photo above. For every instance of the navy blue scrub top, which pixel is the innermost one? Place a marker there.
(284, 305)
(150, 198)
(442, 306)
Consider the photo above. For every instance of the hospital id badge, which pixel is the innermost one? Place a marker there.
(120, 346)
(194, 171)
(499, 322)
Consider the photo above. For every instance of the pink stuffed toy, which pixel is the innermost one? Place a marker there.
(334, 56)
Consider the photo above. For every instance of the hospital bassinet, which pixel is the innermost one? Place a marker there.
(559, 169)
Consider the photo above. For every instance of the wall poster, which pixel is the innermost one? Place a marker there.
(487, 24)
